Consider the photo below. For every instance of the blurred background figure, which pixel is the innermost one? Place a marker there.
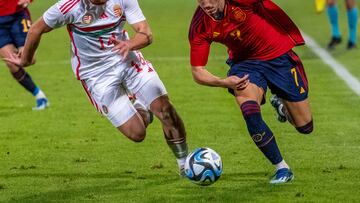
(14, 25)
(352, 16)
(320, 5)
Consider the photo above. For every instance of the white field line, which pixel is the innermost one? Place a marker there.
(338, 68)
(169, 58)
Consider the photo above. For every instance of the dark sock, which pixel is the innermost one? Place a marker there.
(25, 80)
(306, 129)
(260, 132)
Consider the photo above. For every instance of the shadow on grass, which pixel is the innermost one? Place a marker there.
(7, 111)
(89, 187)
(119, 187)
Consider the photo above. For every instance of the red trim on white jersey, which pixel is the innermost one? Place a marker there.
(93, 102)
(75, 51)
(66, 7)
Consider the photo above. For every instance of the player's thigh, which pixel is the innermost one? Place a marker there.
(5, 32)
(110, 99)
(20, 28)
(5, 52)
(142, 80)
(251, 93)
(257, 87)
(287, 79)
(300, 112)
(153, 95)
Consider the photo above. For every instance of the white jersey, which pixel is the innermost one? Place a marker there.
(90, 28)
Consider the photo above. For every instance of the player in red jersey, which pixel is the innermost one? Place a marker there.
(259, 37)
(14, 25)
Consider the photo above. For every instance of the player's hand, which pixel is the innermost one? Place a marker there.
(24, 3)
(121, 47)
(19, 54)
(14, 59)
(236, 82)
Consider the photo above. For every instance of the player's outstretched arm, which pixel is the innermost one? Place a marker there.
(26, 56)
(204, 77)
(142, 38)
(33, 40)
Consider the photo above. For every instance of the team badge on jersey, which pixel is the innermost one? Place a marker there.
(88, 18)
(117, 10)
(105, 109)
(238, 14)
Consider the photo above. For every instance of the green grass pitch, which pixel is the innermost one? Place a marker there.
(68, 153)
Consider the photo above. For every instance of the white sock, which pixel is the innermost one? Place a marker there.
(281, 165)
(181, 162)
(40, 95)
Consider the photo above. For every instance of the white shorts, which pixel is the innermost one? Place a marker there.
(109, 92)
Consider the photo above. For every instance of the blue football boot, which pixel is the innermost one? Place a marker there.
(41, 104)
(282, 175)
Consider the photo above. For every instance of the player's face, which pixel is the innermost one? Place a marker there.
(98, 2)
(214, 8)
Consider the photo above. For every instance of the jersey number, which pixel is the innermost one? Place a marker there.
(26, 24)
(102, 43)
(293, 71)
(143, 63)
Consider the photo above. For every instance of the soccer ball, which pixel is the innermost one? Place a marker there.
(203, 166)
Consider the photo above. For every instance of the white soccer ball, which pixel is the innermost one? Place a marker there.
(203, 166)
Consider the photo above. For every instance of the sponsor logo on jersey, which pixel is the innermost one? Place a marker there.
(238, 14)
(216, 34)
(117, 10)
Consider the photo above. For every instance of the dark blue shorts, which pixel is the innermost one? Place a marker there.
(285, 75)
(13, 28)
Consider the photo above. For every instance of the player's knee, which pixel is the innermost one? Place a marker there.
(134, 133)
(306, 129)
(137, 136)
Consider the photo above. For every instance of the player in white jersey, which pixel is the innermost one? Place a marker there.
(107, 63)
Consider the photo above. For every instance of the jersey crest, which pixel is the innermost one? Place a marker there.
(88, 18)
(117, 10)
(238, 14)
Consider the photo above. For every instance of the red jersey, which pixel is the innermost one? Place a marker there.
(8, 7)
(250, 29)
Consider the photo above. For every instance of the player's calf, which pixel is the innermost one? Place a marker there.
(26, 81)
(260, 132)
(173, 128)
